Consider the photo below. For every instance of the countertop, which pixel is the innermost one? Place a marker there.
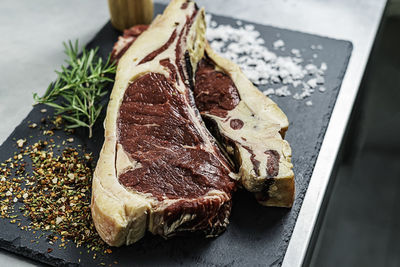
(33, 31)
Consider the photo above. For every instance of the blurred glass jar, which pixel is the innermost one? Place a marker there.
(127, 13)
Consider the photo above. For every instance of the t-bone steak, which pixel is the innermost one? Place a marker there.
(160, 168)
(248, 125)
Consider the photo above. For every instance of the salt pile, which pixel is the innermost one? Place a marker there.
(244, 46)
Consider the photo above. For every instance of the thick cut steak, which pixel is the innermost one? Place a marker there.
(160, 169)
(248, 125)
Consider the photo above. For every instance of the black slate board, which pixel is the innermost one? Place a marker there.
(256, 235)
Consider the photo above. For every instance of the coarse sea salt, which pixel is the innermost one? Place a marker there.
(269, 91)
(282, 91)
(279, 44)
(243, 45)
(296, 52)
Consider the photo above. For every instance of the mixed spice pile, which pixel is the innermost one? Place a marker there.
(50, 184)
(46, 184)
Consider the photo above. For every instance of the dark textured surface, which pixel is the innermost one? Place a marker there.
(256, 235)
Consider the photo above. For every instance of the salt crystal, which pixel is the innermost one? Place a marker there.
(249, 27)
(313, 47)
(59, 220)
(21, 142)
(282, 91)
(70, 140)
(306, 91)
(43, 110)
(8, 193)
(322, 89)
(296, 83)
(278, 44)
(320, 80)
(312, 83)
(309, 103)
(319, 47)
(25, 195)
(3, 179)
(314, 55)
(311, 68)
(70, 176)
(15, 199)
(296, 52)
(269, 91)
(54, 180)
(297, 96)
(239, 23)
(323, 67)
(297, 60)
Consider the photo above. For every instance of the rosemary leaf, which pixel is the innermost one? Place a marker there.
(80, 86)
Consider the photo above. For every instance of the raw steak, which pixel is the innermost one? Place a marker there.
(160, 169)
(248, 125)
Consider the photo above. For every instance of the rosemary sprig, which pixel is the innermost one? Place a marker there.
(79, 87)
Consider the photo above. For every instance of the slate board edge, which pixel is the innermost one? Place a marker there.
(323, 132)
(283, 29)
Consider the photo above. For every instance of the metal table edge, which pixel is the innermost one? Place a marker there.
(315, 194)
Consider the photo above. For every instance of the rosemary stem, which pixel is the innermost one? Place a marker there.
(80, 87)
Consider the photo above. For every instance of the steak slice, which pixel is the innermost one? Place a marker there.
(160, 169)
(248, 125)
